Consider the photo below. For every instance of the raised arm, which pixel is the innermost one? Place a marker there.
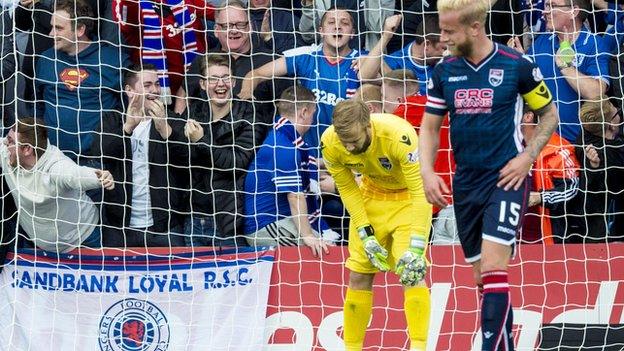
(275, 68)
(371, 64)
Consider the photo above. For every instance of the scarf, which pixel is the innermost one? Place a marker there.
(152, 50)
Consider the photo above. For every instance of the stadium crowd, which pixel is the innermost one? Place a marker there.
(198, 123)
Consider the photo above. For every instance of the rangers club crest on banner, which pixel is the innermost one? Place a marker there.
(496, 77)
(132, 324)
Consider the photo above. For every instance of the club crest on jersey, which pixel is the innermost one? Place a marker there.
(496, 76)
(430, 84)
(385, 163)
(537, 75)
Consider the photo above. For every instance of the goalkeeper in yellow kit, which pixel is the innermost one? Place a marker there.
(390, 216)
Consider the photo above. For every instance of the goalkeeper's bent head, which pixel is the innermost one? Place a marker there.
(352, 124)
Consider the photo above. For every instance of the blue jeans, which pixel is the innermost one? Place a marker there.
(201, 230)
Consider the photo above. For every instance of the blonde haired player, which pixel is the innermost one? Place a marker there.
(483, 86)
(390, 216)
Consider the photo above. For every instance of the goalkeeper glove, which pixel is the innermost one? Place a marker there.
(412, 267)
(376, 254)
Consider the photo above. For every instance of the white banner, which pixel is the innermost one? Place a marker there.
(134, 302)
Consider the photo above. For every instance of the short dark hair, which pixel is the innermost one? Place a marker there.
(79, 12)
(428, 29)
(293, 96)
(214, 59)
(131, 73)
(339, 8)
(584, 8)
(32, 131)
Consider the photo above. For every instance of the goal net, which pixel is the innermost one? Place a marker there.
(156, 187)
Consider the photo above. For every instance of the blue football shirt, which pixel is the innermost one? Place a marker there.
(330, 83)
(592, 59)
(485, 104)
(401, 59)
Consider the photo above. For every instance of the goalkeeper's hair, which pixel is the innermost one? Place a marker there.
(470, 11)
(80, 13)
(131, 74)
(592, 116)
(293, 97)
(350, 113)
(214, 59)
(32, 131)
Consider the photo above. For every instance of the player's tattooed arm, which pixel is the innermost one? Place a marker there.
(516, 170)
(548, 122)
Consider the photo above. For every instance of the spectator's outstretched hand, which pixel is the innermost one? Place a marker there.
(592, 156)
(317, 245)
(106, 178)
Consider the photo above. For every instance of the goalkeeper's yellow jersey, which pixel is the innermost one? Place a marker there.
(389, 165)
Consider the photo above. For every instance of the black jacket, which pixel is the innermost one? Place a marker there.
(220, 160)
(168, 172)
(600, 187)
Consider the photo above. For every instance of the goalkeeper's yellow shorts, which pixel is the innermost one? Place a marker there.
(392, 216)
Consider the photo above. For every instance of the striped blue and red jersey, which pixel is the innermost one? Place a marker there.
(485, 103)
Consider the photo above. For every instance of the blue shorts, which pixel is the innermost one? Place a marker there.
(488, 212)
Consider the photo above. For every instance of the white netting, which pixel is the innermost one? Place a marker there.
(101, 85)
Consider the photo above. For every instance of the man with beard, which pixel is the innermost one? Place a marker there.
(482, 86)
(327, 72)
(223, 139)
(390, 217)
(420, 56)
(146, 150)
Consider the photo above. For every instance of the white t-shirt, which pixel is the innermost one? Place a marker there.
(141, 213)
